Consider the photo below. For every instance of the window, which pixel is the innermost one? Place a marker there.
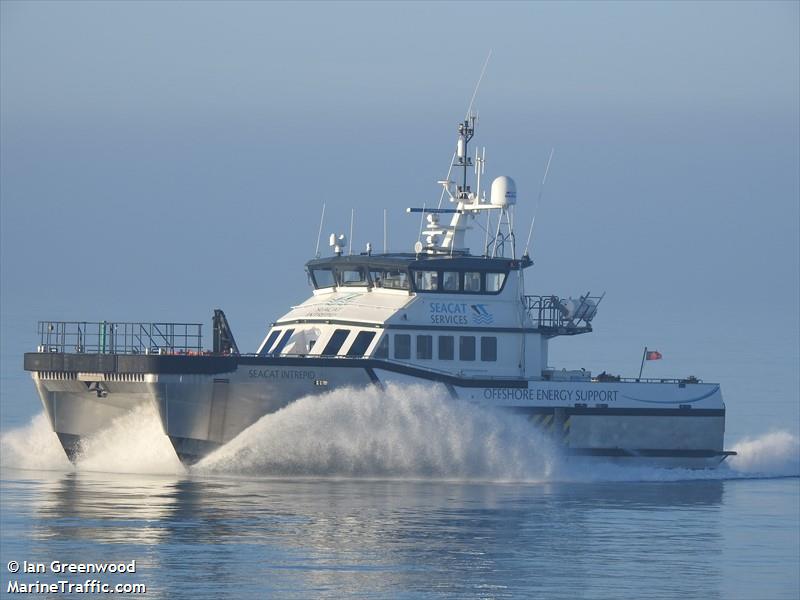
(472, 282)
(382, 350)
(426, 281)
(322, 278)
(361, 343)
(402, 346)
(389, 278)
(450, 281)
(354, 276)
(425, 347)
(397, 280)
(466, 347)
(282, 342)
(270, 340)
(494, 281)
(335, 343)
(489, 349)
(446, 347)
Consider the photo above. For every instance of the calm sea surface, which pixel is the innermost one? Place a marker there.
(212, 537)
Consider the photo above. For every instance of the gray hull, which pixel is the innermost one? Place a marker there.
(201, 413)
(202, 410)
(79, 406)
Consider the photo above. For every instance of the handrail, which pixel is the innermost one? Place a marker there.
(119, 337)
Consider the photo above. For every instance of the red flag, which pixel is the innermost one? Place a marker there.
(653, 355)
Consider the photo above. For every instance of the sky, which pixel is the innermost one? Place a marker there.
(161, 159)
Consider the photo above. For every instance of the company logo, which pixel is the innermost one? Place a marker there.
(480, 315)
(342, 300)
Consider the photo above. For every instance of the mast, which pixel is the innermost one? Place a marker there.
(466, 129)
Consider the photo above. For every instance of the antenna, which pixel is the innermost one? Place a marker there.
(421, 222)
(446, 182)
(319, 234)
(352, 218)
(385, 234)
(477, 85)
(538, 200)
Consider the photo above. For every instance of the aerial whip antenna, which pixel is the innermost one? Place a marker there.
(319, 233)
(477, 85)
(352, 218)
(538, 200)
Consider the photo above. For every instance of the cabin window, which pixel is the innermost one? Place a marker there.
(382, 350)
(450, 281)
(282, 342)
(472, 281)
(425, 347)
(446, 347)
(361, 343)
(494, 281)
(270, 340)
(354, 276)
(335, 343)
(389, 278)
(402, 346)
(426, 281)
(466, 347)
(397, 280)
(488, 349)
(322, 278)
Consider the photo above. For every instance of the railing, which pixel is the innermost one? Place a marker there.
(560, 316)
(107, 337)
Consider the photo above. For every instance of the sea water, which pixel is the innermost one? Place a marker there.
(402, 493)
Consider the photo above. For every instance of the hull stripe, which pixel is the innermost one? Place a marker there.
(571, 411)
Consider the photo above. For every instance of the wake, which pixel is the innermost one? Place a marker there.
(402, 432)
(405, 432)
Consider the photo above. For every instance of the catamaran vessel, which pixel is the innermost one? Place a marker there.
(438, 315)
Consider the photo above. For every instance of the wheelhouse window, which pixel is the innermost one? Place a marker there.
(472, 281)
(355, 276)
(426, 281)
(282, 342)
(270, 340)
(489, 349)
(446, 347)
(450, 281)
(466, 347)
(322, 278)
(425, 347)
(335, 343)
(494, 281)
(402, 346)
(389, 278)
(382, 350)
(361, 343)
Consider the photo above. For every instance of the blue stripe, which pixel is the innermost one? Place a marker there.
(703, 397)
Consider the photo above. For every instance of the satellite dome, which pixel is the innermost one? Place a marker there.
(504, 191)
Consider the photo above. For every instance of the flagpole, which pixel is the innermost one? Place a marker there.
(644, 355)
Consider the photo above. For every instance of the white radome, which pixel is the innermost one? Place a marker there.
(504, 191)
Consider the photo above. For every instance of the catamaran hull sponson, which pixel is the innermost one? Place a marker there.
(80, 405)
(204, 402)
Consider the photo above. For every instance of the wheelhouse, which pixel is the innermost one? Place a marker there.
(442, 275)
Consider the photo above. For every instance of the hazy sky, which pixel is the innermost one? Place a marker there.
(161, 159)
